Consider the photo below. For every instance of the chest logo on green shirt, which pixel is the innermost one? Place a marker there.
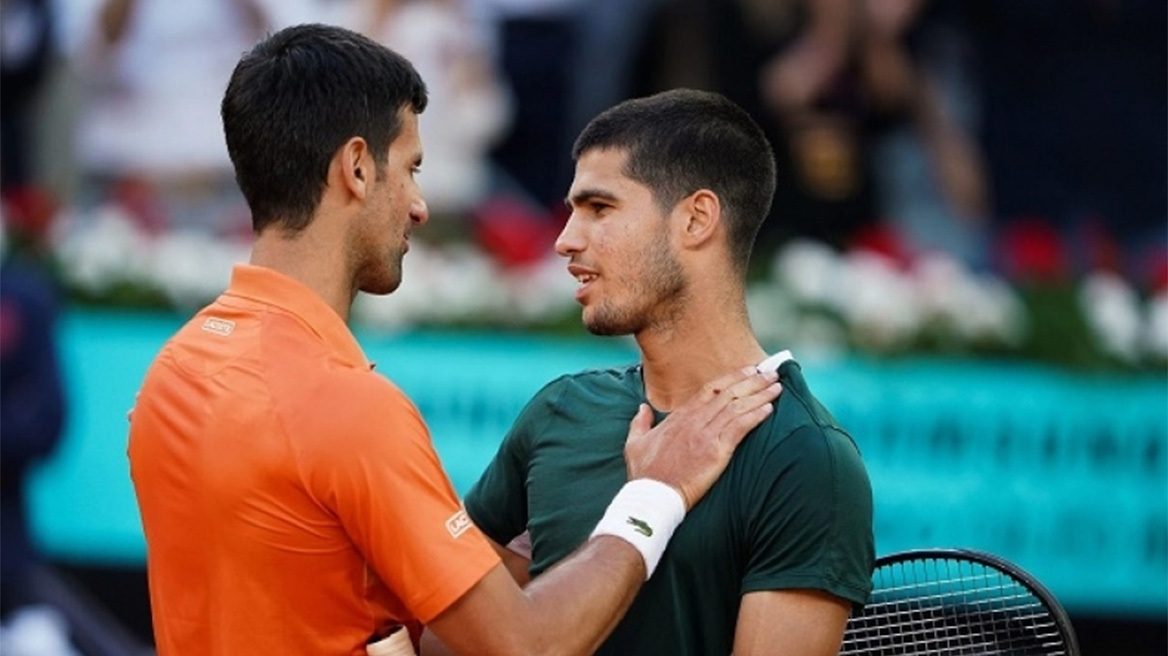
(640, 526)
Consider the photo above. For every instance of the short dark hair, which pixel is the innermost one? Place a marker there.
(684, 140)
(294, 99)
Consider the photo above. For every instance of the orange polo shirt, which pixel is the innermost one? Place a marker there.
(291, 497)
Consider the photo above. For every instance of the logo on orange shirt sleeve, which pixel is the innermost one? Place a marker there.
(458, 523)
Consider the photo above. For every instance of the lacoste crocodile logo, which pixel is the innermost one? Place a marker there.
(641, 527)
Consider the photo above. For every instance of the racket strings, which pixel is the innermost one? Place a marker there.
(943, 606)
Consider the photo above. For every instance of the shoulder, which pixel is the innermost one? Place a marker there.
(574, 402)
(355, 426)
(802, 438)
(602, 380)
(588, 387)
(797, 406)
(357, 403)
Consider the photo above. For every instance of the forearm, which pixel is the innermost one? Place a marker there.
(831, 24)
(569, 609)
(115, 20)
(577, 603)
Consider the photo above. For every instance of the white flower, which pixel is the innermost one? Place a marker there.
(465, 285)
(541, 291)
(942, 288)
(103, 251)
(1000, 313)
(1112, 310)
(971, 307)
(877, 301)
(808, 269)
(192, 267)
(441, 285)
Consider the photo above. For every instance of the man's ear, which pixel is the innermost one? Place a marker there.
(354, 164)
(702, 214)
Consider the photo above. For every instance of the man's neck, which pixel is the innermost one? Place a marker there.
(695, 350)
(309, 260)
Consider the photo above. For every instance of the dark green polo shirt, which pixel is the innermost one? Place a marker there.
(792, 510)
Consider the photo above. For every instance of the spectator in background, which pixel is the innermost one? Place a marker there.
(32, 398)
(791, 64)
(1074, 96)
(931, 184)
(868, 136)
(152, 73)
(611, 35)
(26, 43)
(536, 45)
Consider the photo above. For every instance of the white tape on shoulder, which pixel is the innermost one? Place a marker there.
(772, 363)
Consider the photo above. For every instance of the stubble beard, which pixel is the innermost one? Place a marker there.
(376, 271)
(656, 298)
(382, 278)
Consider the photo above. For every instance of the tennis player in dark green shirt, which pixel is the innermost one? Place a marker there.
(668, 197)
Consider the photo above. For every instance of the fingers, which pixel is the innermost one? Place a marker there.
(713, 389)
(642, 422)
(714, 396)
(749, 402)
(691, 448)
(731, 389)
(750, 385)
(757, 408)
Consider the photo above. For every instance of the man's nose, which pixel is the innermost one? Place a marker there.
(569, 241)
(419, 212)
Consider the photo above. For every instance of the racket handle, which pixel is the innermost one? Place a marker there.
(396, 644)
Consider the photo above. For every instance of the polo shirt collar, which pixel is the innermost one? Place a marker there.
(274, 288)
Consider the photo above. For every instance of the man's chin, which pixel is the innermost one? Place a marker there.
(381, 287)
(604, 327)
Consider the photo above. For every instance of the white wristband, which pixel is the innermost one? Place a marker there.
(644, 513)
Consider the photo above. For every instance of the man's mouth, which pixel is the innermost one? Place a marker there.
(585, 276)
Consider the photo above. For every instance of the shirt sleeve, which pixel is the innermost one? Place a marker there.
(497, 502)
(810, 517)
(382, 478)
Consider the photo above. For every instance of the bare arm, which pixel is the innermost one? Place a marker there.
(790, 623)
(517, 564)
(953, 152)
(796, 77)
(114, 20)
(572, 607)
(569, 610)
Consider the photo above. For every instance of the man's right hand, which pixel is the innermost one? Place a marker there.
(693, 445)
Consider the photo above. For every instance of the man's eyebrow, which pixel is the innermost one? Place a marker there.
(584, 195)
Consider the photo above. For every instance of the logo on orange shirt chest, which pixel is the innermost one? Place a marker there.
(221, 327)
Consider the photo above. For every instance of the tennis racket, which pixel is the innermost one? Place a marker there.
(956, 601)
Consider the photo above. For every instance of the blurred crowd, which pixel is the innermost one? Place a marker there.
(1025, 137)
